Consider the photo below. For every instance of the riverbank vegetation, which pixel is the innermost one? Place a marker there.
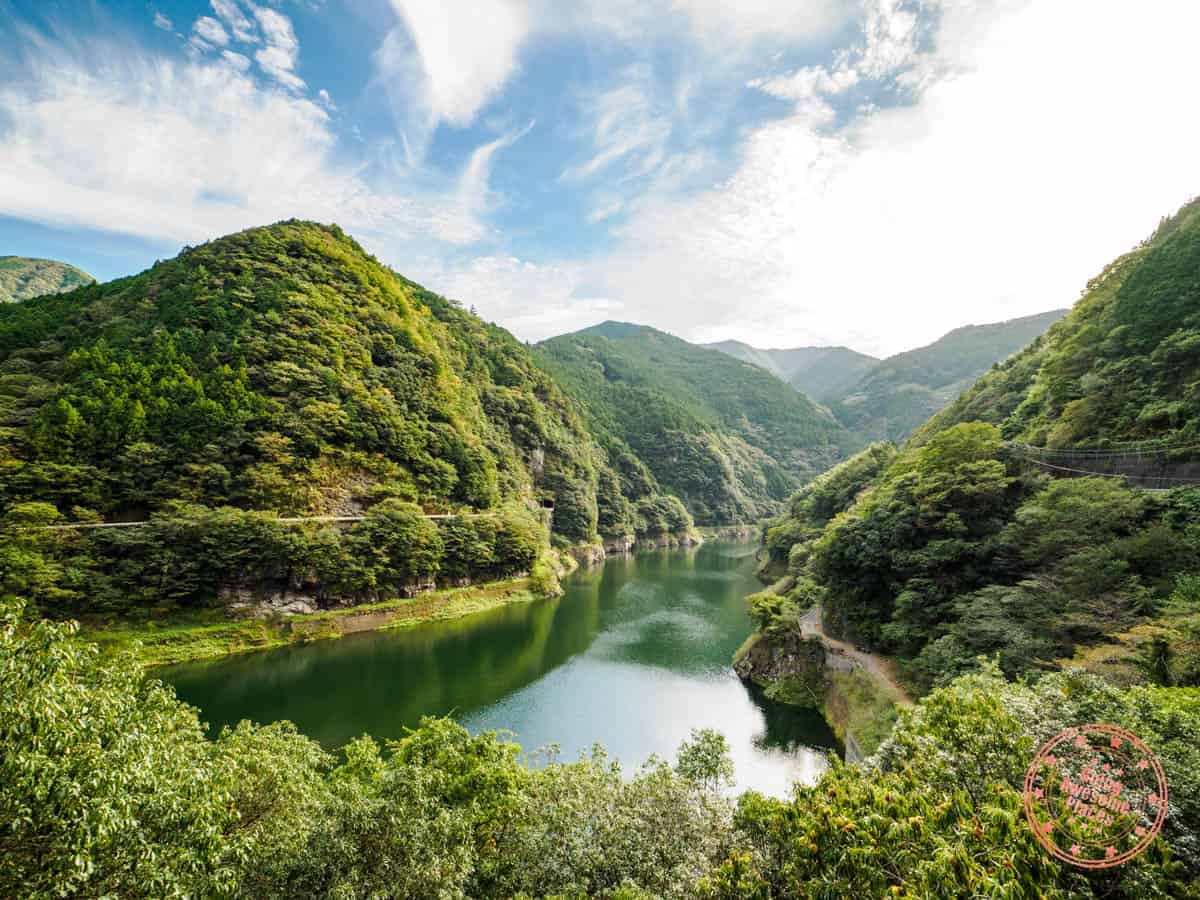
(276, 373)
(207, 634)
(193, 558)
(102, 808)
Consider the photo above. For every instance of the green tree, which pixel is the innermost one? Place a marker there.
(704, 760)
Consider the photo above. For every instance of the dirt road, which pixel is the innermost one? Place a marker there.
(879, 666)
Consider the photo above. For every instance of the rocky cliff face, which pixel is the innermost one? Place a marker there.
(594, 554)
(774, 659)
(805, 671)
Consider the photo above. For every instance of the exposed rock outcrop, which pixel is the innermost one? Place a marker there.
(302, 598)
(594, 554)
(805, 670)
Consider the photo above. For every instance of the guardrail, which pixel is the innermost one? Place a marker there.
(291, 520)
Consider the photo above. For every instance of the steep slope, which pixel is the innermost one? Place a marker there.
(815, 371)
(900, 393)
(1124, 366)
(727, 438)
(22, 277)
(965, 545)
(283, 371)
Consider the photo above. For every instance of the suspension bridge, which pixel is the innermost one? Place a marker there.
(1155, 466)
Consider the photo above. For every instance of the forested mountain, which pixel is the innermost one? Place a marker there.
(727, 438)
(962, 544)
(282, 371)
(22, 277)
(1124, 366)
(816, 371)
(898, 394)
(284, 366)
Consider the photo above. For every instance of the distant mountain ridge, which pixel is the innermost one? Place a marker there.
(815, 371)
(982, 539)
(897, 395)
(22, 277)
(731, 440)
(888, 399)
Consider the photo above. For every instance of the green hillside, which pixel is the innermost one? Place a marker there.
(1124, 366)
(122, 794)
(282, 371)
(898, 394)
(960, 546)
(22, 277)
(727, 438)
(816, 371)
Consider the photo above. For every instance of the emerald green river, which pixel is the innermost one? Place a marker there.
(634, 655)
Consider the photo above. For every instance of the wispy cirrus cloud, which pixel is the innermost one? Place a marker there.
(953, 162)
(207, 32)
(239, 24)
(446, 60)
(624, 127)
(209, 150)
(281, 51)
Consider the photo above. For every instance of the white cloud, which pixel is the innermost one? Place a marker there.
(1024, 160)
(723, 22)
(891, 37)
(161, 21)
(239, 62)
(625, 127)
(605, 208)
(206, 151)
(467, 50)
(281, 52)
(808, 83)
(325, 100)
(211, 31)
(451, 58)
(474, 181)
(532, 300)
(238, 23)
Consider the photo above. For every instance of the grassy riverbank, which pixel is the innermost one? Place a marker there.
(211, 634)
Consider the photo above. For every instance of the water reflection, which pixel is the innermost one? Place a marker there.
(634, 655)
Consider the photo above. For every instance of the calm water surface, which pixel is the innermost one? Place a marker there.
(633, 656)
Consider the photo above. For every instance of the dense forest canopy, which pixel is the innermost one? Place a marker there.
(1123, 367)
(957, 546)
(281, 371)
(728, 439)
(22, 277)
(100, 808)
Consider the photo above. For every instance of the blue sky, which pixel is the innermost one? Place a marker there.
(861, 172)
